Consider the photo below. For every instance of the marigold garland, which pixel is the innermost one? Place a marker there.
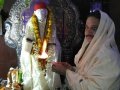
(48, 32)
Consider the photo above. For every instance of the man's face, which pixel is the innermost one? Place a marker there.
(91, 27)
(41, 14)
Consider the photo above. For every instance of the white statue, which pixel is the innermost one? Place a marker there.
(40, 27)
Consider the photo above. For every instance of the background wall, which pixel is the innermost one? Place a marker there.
(115, 14)
(8, 58)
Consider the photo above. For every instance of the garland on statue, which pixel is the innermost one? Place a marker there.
(47, 35)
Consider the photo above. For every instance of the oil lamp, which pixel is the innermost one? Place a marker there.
(42, 58)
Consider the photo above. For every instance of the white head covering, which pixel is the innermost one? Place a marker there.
(102, 41)
(98, 66)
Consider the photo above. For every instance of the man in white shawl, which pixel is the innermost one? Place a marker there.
(40, 27)
(98, 60)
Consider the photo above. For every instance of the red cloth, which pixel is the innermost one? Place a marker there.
(41, 5)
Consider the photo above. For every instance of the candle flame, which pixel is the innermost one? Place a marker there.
(44, 54)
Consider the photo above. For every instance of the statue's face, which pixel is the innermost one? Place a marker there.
(41, 14)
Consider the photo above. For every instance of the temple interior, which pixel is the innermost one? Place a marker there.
(70, 17)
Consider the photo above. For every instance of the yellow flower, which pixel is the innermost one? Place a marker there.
(48, 30)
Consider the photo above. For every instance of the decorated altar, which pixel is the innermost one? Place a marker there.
(23, 34)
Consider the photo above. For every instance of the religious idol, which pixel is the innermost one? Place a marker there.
(14, 79)
(35, 55)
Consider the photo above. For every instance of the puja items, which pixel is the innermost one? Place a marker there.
(14, 79)
(42, 58)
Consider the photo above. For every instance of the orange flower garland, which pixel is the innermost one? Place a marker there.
(48, 33)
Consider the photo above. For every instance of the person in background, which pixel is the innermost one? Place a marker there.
(98, 60)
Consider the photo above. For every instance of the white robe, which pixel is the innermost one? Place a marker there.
(99, 67)
(33, 77)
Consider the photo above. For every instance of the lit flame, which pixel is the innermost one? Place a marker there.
(44, 54)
